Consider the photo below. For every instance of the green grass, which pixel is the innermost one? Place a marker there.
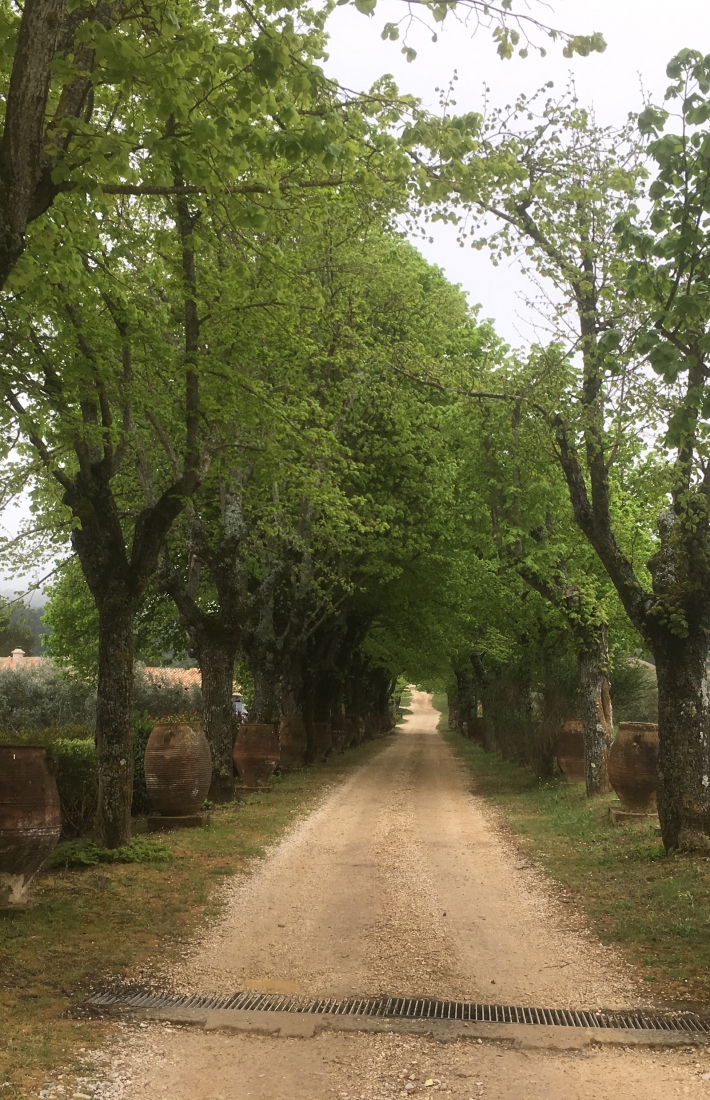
(88, 925)
(656, 908)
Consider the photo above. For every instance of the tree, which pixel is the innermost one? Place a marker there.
(572, 210)
(70, 67)
(15, 631)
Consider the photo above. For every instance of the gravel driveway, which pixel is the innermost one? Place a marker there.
(401, 882)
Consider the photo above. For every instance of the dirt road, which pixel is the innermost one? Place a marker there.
(400, 883)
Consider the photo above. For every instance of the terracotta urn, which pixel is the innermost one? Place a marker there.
(570, 751)
(633, 761)
(256, 753)
(178, 768)
(339, 732)
(294, 742)
(322, 740)
(30, 818)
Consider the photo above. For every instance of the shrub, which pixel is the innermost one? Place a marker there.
(75, 763)
(634, 692)
(163, 697)
(39, 695)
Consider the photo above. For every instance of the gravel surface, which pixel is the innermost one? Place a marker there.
(401, 882)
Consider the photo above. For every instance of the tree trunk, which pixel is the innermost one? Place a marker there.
(595, 713)
(216, 660)
(468, 703)
(684, 751)
(114, 735)
(266, 707)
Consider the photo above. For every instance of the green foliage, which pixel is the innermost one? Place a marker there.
(71, 615)
(75, 764)
(634, 692)
(15, 630)
(84, 853)
(41, 696)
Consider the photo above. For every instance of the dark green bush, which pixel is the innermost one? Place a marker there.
(40, 695)
(634, 692)
(75, 763)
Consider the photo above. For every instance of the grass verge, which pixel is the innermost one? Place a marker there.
(656, 908)
(90, 925)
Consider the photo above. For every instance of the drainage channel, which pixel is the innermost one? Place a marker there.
(409, 1008)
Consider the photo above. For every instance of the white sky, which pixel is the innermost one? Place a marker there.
(641, 35)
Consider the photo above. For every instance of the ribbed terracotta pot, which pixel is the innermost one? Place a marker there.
(339, 732)
(570, 751)
(256, 753)
(322, 739)
(633, 763)
(178, 768)
(30, 818)
(292, 735)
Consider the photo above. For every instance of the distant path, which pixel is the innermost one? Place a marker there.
(400, 882)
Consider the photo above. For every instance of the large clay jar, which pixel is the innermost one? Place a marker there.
(292, 735)
(338, 732)
(30, 818)
(178, 768)
(570, 751)
(256, 753)
(633, 761)
(322, 740)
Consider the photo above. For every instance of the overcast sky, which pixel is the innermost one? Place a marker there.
(642, 36)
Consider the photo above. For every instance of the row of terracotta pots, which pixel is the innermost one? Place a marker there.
(633, 762)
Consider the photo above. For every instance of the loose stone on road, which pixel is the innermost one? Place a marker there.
(403, 883)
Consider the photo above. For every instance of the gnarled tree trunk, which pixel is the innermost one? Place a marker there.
(216, 658)
(595, 712)
(114, 734)
(684, 741)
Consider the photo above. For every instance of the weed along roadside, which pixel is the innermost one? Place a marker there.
(93, 924)
(655, 907)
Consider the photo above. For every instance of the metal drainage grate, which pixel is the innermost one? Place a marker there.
(409, 1008)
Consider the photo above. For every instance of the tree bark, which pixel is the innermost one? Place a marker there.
(266, 707)
(21, 148)
(595, 712)
(114, 734)
(216, 660)
(684, 737)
